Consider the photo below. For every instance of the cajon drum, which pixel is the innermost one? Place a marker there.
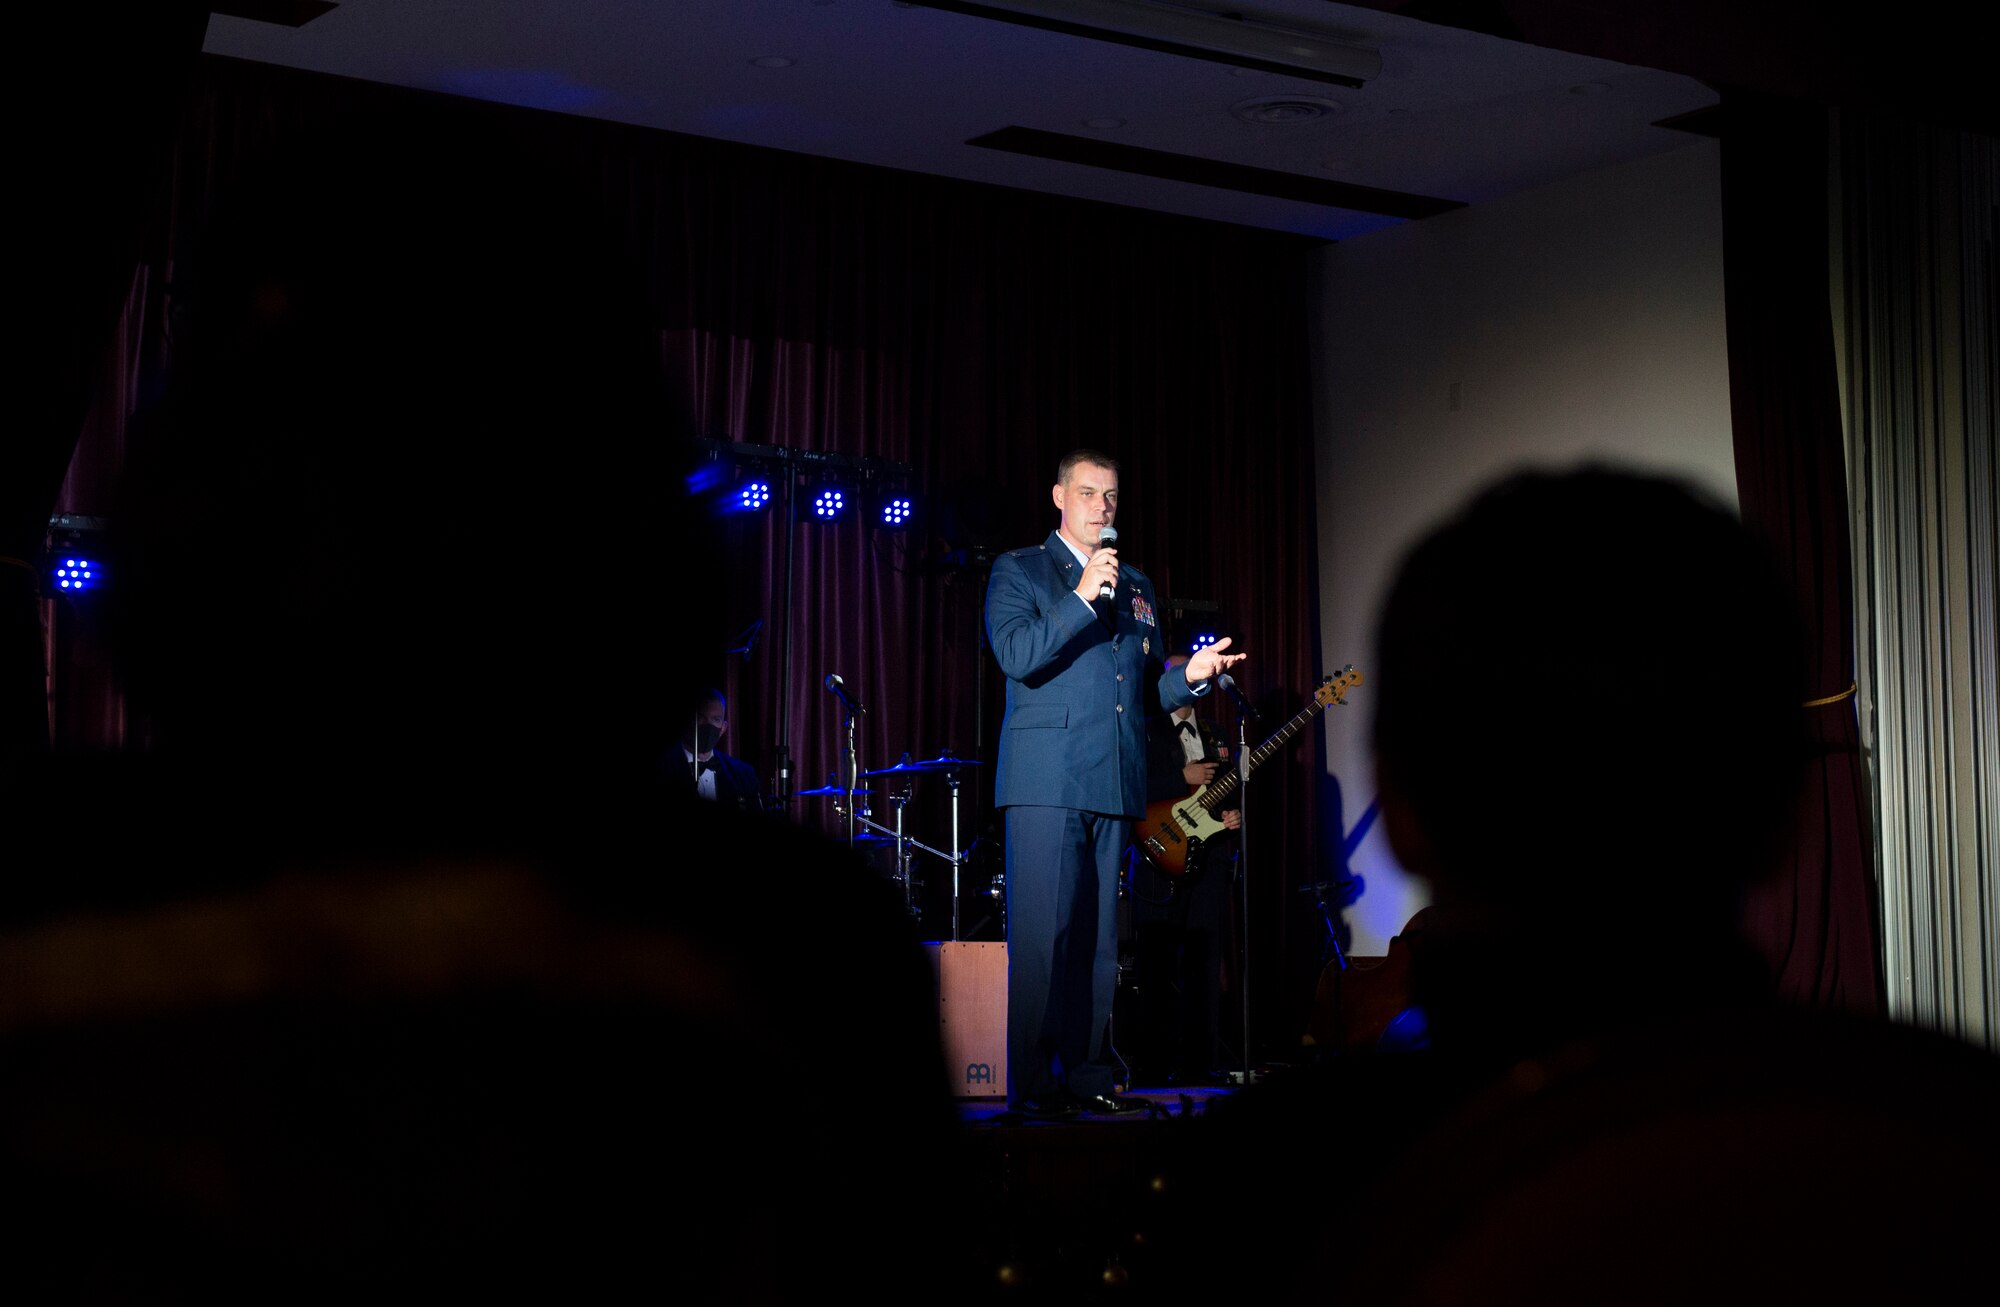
(972, 1015)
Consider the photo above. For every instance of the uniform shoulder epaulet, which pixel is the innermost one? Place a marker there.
(1028, 551)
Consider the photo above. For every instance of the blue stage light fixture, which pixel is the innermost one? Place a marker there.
(1202, 640)
(829, 504)
(895, 511)
(752, 496)
(891, 505)
(75, 573)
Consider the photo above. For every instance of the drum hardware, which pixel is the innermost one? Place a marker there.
(831, 787)
(901, 799)
(854, 808)
(944, 762)
(950, 767)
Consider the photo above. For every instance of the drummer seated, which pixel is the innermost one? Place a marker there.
(694, 765)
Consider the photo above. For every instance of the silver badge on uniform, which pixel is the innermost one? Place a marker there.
(1146, 645)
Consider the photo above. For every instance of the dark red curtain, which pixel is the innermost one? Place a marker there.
(975, 334)
(95, 101)
(1816, 921)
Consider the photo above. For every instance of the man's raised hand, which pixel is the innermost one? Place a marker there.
(1212, 661)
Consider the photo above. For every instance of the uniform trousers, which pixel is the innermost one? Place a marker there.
(1062, 949)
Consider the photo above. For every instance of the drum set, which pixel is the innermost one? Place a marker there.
(852, 802)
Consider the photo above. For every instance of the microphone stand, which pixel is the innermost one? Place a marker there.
(853, 778)
(835, 686)
(1246, 1075)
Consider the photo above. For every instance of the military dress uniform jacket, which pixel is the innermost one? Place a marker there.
(1080, 685)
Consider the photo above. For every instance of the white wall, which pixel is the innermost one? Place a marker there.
(1581, 320)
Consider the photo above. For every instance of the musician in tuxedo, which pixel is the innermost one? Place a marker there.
(695, 765)
(1077, 634)
(1180, 924)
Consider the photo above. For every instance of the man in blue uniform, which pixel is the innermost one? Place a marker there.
(1078, 637)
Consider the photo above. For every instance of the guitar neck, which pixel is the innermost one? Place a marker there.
(1214, 798)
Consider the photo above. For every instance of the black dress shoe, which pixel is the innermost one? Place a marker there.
(1113, 1105)
(1046, 1109)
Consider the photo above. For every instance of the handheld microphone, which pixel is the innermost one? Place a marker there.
(835, 684)
(1107, 537)
(1228, 682)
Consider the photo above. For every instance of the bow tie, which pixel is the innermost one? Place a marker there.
(1188, 728)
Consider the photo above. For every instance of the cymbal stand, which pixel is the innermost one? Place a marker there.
(901, 799)
(958, 857)
(957, 852)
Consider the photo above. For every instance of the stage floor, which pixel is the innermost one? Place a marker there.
(1074, 1209)
(1166, 1102)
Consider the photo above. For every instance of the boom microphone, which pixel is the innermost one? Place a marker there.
(1107, 537)
(835, 684)
(1228, 682)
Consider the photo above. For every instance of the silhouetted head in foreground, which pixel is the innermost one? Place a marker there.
(1588, 736)
(389, 975)
(1588, 728)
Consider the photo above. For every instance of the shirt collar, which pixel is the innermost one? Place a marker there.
(1081, 556)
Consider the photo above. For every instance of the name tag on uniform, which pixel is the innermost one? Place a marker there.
(1143, 611)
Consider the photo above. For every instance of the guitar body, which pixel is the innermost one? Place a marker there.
(1172, 829)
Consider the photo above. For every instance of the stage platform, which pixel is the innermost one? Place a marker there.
(1068, 1209)
(1166, 1102)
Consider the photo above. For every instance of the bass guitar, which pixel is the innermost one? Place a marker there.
(1173, 828)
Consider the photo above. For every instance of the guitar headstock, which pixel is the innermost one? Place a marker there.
(1334, 688)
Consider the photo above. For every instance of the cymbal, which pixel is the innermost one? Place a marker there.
(944, 762)
(831, 789)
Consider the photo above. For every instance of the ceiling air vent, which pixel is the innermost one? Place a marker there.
(1284, 110)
